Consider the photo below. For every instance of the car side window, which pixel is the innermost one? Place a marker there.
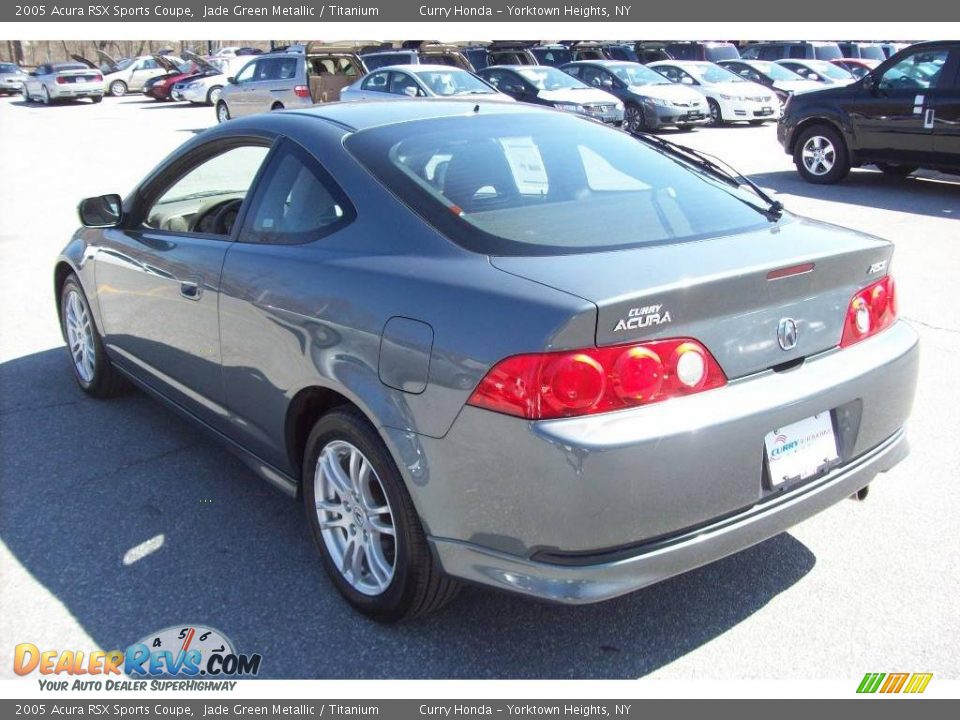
(149, 64)
(376, 82)
(574, 70)
(296, 202)
(282, 69)
(206, 198)
(264, 70)
(403, 84)
(246, 74)
(920, 70)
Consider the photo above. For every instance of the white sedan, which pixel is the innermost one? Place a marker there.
(413, 81)
(818, 70)
(205, 89)
(729, 96)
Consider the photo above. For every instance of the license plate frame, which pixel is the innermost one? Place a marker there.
(801, 450)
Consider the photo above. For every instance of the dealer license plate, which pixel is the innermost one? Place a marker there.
(801, 450)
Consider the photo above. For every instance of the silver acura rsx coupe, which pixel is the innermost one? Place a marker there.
(496, 343)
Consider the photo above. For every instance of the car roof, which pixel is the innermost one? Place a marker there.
(602, 62)
(373, 113)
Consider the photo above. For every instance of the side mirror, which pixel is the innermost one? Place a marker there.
(232, 80)
(102, 211)
(410, 91)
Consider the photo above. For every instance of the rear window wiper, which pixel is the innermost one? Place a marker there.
(716, 167)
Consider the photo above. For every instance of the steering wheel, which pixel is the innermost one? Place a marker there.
(219, 218)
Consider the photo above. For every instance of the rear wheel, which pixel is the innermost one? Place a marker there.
(45, 96)
(223, 112)
(896, 170)
(26, 94)
(821, 155)
(96, 98)
(276, 106)
(364, 524)
(716, 114)
(118, 88)
(92, 368)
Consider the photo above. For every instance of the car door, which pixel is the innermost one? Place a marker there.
(279, 84)
(239, 97)
(158, 274)
(945, 107)
(271, 334)
(141, 71)
(264, 89)
(893, 114)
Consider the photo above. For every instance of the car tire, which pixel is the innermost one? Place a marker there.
(896, 170)
(685, 127)
(213, 95)
(276, 106)
(91, 366)
(25, 94)
(634, 120)
(96, 99)
(45, 96)
(223, 112)
(408, 581)
(756, 122)
(820, 155)
(716, 114)
(118, 88)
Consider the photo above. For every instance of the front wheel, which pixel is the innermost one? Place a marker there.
(364, 524)
(96, 98)
(213, 96)
(820, 156)
(716, 114)
(223, 112)
(92, 368)
(633, 119)
(118, 88)
(45, 96)
(26, 94)
(896, 170)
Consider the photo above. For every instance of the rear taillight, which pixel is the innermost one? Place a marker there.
(60, 80)
(301, 91)
(595, 380)
(98, 77)
(871, 310)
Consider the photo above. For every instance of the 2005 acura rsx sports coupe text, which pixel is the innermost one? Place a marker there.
(496, 343)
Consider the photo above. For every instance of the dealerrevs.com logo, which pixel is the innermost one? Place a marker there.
(181, 657)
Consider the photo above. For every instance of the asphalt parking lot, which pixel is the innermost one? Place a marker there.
(869, 586)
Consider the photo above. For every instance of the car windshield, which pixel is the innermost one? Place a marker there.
(637, 74)
(547, 183)
(828, 70)
(710, 73)
(548, 78)
(453, 82)
(552, 56)
(777, 72)
(380, 60)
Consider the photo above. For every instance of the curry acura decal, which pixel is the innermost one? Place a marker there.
(178, 652)
(641, 317)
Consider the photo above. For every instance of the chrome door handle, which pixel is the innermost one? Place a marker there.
(190, 289)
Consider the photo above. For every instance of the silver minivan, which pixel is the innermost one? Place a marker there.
(278, 81)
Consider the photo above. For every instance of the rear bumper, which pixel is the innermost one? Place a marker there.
(643, 566)
(505, 489)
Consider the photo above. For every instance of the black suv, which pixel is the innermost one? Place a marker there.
(903, 115)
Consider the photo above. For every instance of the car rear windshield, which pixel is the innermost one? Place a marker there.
(546, 183)
(70, 66)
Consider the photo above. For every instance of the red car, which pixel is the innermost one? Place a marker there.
(159, 88)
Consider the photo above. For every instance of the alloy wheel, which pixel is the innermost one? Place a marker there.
(223, 112)
(214, 96)
(819, 155)
(633, 118)
(355, 518)
(118, 88)
(80, 336)
(45, 95)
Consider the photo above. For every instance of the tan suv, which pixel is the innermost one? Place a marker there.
(275, 81)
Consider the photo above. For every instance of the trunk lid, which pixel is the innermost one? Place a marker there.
(721, 291)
